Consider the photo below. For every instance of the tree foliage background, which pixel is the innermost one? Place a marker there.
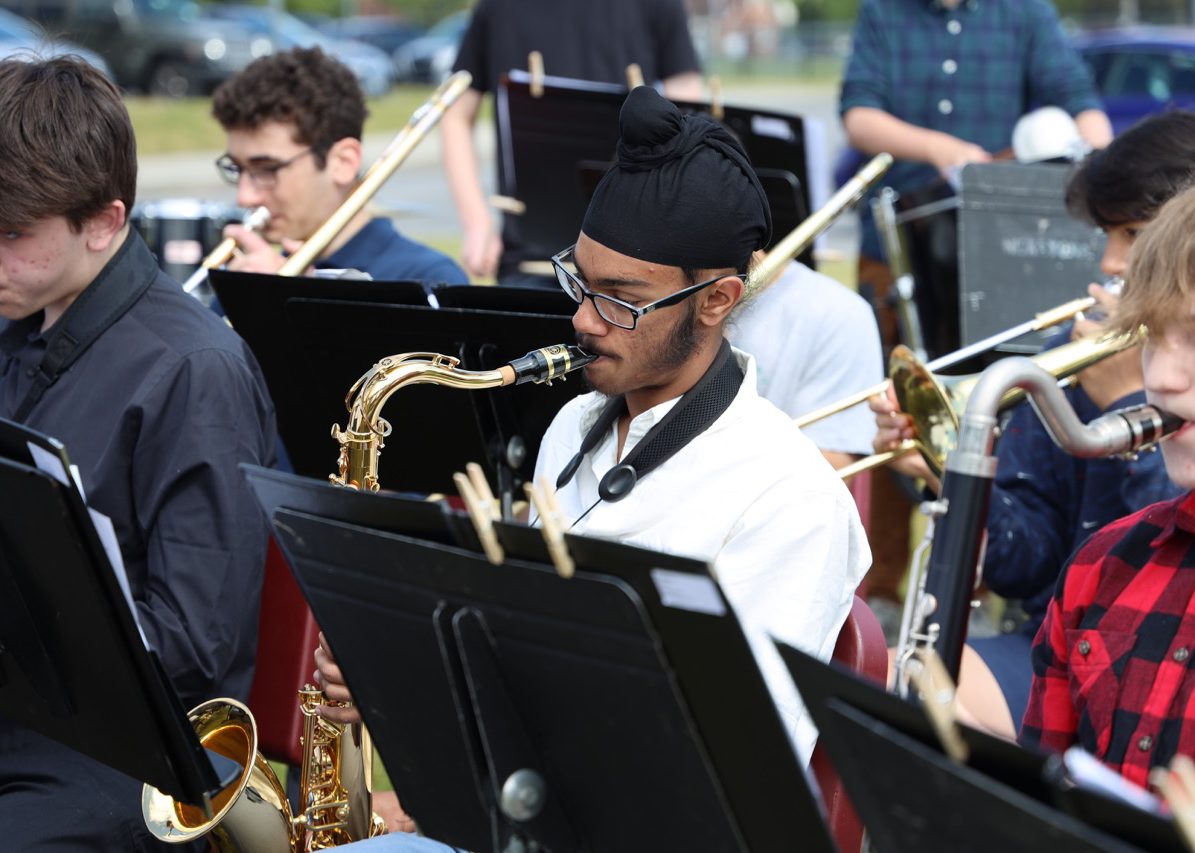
(427, 12)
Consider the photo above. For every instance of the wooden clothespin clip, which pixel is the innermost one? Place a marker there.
(937, 690)
(543, 501)
(508, 205)
(535, 67)
(717, 111)
(634, 76)
(482, 508)
(1176, 784)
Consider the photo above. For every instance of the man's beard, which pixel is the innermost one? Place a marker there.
(682, 343)
(678, 348)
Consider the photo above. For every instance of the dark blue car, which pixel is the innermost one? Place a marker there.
(1141, 70)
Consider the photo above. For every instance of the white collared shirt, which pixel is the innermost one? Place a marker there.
(752, 496)
(814, 341)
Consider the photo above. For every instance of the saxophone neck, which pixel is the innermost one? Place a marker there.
(363, 438)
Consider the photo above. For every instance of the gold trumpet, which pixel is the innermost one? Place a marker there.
(934, 402)
(420, 124)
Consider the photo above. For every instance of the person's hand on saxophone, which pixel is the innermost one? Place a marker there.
(338, 707)
(331, 681)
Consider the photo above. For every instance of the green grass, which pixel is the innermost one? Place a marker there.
(174, 125)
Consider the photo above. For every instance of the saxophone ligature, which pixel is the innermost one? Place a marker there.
(362, 440)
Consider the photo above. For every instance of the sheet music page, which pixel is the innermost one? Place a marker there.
(107, 533)
(1088, 772)
(52, 465)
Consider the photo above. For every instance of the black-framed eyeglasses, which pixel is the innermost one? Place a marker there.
(261, 175)
(615, 311)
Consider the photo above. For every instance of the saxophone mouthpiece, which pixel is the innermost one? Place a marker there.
(548, 363)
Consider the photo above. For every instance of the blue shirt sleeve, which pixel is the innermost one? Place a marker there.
(1055, 74)
(865, 82)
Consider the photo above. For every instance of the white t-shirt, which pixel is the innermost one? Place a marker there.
(753, 497)
(815, 341)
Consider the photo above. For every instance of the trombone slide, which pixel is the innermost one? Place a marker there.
(222, 254)
(764, 273)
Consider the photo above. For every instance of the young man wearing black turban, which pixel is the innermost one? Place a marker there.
(675, 450)
(719, 472)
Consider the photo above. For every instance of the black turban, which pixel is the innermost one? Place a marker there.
(682, 193)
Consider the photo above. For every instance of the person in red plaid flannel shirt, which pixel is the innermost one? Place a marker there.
(1113, 659)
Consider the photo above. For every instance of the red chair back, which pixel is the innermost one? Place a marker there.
(287, 636)
(861, 648)
(860, 487)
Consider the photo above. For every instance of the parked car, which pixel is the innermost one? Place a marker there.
(384, 32)
(429, 58)
(22, 38)
(1141, 70)
(284, 30)
(164, 47)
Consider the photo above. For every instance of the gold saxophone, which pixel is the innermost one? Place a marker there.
(361, 442)
(253, 813)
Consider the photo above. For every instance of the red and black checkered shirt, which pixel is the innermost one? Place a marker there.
(1112, 663)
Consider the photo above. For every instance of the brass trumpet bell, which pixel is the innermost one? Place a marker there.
(251, 813)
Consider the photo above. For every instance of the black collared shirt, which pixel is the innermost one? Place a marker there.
(157, 414)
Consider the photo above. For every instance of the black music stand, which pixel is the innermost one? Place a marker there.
(1020, 251)
(912, 797)
(73, 666)
(579, 714)
(553, 149)
(314, 338)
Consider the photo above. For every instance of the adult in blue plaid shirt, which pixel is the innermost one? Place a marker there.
(939, 84)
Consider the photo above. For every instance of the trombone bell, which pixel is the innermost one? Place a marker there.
(935, 402)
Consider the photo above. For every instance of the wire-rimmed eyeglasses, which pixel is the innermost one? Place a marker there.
(615, 311)
(260, 174)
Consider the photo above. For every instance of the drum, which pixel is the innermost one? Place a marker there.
(182, 231)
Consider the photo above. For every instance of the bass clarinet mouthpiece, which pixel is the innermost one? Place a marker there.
(548, 363)
(1139, 428)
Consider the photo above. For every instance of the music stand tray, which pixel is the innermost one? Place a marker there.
(476, 678)
(73, 666)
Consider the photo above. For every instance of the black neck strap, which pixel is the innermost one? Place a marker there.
(692, 415)
(105, 301)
